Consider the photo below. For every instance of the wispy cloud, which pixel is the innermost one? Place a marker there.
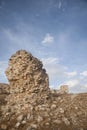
(84, 73)
(50, 60)
(52, 66)
(48, 39)
(72, 83)
(85, 86)
(3, 66)
(71, 74)
(59, 4)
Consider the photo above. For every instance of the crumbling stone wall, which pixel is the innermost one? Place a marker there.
(28, 82)
(64, 89)
(26, 74)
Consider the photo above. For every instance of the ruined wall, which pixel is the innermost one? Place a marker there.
(25, 73)
(28, 82)
(64, 89)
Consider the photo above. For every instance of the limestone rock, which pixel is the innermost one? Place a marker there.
(20, 118)
(17, 124)
(32, 127)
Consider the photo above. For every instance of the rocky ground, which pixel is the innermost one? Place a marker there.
(59, 112)
(27, 103)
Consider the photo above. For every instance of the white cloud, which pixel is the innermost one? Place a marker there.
(50, 60)
(72, 83)
(57, 72)
(84, 73)
(54, 69)
(3, 66)
(48, 39)
(60, 5)
(71, 74)
(85, 86)
(52, 86)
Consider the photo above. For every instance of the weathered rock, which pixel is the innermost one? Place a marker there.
(23, 122)
(32, 127)
(53, 106)
(57, 121)
(39, 119)
(28, 80)
(3, 126)
(20, 118)
(66, 121)
(17, 124)
(61, 111)
(25, 73)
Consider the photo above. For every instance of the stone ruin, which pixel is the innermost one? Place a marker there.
(26, 74)
(28, 82)
(64, 89)
(31, 105)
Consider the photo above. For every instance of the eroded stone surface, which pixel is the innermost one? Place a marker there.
(25, 73)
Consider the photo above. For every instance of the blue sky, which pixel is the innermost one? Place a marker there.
(55, 31)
